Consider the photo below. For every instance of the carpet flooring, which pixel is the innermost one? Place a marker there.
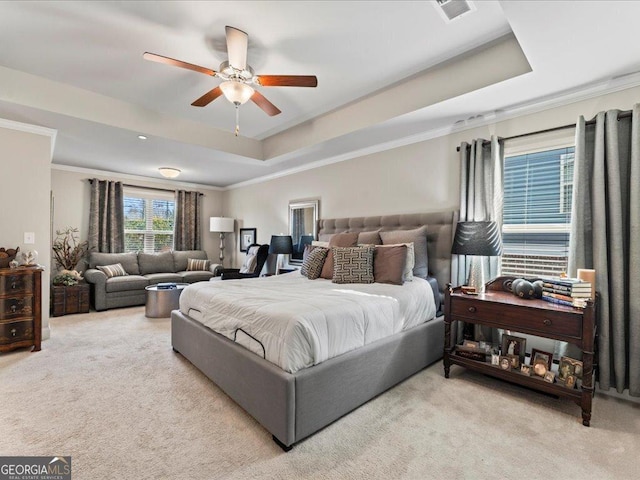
(108, 390)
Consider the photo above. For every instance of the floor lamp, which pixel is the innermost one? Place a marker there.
(221, 225)
(478, 239)
(280, 245)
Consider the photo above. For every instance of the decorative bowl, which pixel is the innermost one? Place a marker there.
(6, 255)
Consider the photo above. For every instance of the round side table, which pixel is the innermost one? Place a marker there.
(160, 301)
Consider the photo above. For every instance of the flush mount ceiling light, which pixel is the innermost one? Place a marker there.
(142, 137)
(169, 172)
(238, 76)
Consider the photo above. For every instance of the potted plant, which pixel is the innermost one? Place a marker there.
(67, 252)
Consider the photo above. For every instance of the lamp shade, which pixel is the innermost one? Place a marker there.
(221, 224)
(477, 238)
(281, 244)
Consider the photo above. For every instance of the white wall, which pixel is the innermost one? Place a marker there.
(71, 198)
(416, 178)
(24, 196)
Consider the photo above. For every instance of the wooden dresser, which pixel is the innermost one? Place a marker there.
(20, 308)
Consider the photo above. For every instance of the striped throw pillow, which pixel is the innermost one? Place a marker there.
(194, 264)
(116, 270)
(353, 264)
(313, 262)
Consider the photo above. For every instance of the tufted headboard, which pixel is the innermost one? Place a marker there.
(441, 227)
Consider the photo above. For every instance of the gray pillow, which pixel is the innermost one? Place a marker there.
(181, 257)
(419, 238)
(353, 264)
(369, 238)
(156, 262)
(313, 262)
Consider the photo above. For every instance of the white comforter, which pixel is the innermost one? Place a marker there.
(302, 322)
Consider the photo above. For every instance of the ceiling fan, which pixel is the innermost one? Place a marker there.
(238, 76)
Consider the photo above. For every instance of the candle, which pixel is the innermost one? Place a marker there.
(588, 275)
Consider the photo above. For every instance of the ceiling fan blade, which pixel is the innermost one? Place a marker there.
(287, 80)
(268, 107)
(208, 97)
(237, 42)
(178, 63)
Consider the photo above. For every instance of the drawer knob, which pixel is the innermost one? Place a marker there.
(472, 309)
(547, 322)
(13, 309)
(14, 285)
(13, 332)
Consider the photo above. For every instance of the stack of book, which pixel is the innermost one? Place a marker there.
(572, 292)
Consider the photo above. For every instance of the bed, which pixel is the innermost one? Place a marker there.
(294, 404)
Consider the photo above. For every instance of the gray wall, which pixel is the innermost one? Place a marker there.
(25, 197)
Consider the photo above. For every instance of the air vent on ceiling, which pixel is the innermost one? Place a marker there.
(452, 9)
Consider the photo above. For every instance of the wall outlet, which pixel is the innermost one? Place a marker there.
(29, 238)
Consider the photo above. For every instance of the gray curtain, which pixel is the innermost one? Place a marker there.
(605, 236)
(481, 196)
(106, 217)
(188, 227)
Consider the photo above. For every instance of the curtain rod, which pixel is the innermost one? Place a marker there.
(553, 129)
(146, 188)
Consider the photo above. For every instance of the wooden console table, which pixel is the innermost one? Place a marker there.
(501, 309)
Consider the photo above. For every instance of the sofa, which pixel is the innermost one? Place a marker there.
(127, 288)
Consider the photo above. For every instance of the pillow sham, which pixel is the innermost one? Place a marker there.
(353, 264)
(318, 243)
(195, 264)
(407, 274)
(419, 238)
(313, 262)
(115, 270)
(389, 264)
(337, 240)
(369, 238)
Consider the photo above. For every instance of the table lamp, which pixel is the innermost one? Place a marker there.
(280, 245)
(221, 225)
(477, 239)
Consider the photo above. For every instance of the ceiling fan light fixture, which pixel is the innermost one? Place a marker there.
(236, 92)
(169, 172)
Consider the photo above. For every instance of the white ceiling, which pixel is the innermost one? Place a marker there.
(387, 71)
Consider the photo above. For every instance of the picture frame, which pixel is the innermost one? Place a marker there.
(505, 363)
(525, 369)
(515, 361)
(570, 381)
(512, 345)
(247, 237)
(547, 357)
(569, 367)
(550, 376)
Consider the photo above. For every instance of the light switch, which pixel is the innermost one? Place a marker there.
(29, 238)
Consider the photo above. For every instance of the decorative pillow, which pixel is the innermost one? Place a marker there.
(251, 260)
(389, 263)
(337, 240)
(369, 238)
(194, 264)
(353, 264)
(116, 270)
(419, 238)
(318, 243)
(313, 262)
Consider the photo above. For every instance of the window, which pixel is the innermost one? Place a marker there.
(537, 212)
(148, 221)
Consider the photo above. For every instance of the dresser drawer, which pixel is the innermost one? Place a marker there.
(16, 307)
(12, 284)
(510, 317)
(12, 332)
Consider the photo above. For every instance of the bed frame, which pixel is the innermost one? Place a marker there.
(293, 406)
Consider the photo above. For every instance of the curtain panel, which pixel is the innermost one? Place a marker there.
(605, 236)
(481, 196)
(106, 217)
(188, 227)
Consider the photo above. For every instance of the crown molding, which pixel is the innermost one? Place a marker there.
(28, 128)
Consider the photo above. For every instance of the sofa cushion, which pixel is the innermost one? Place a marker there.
(181, 257)
(126, 283)
(163, 277)
(129, 261)
(156, 262)
(195, 276)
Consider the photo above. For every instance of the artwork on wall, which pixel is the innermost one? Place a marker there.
(247, 237)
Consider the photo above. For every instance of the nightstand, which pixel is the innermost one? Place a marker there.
(499, 308)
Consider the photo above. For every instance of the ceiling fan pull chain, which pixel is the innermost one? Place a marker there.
(237, 119)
